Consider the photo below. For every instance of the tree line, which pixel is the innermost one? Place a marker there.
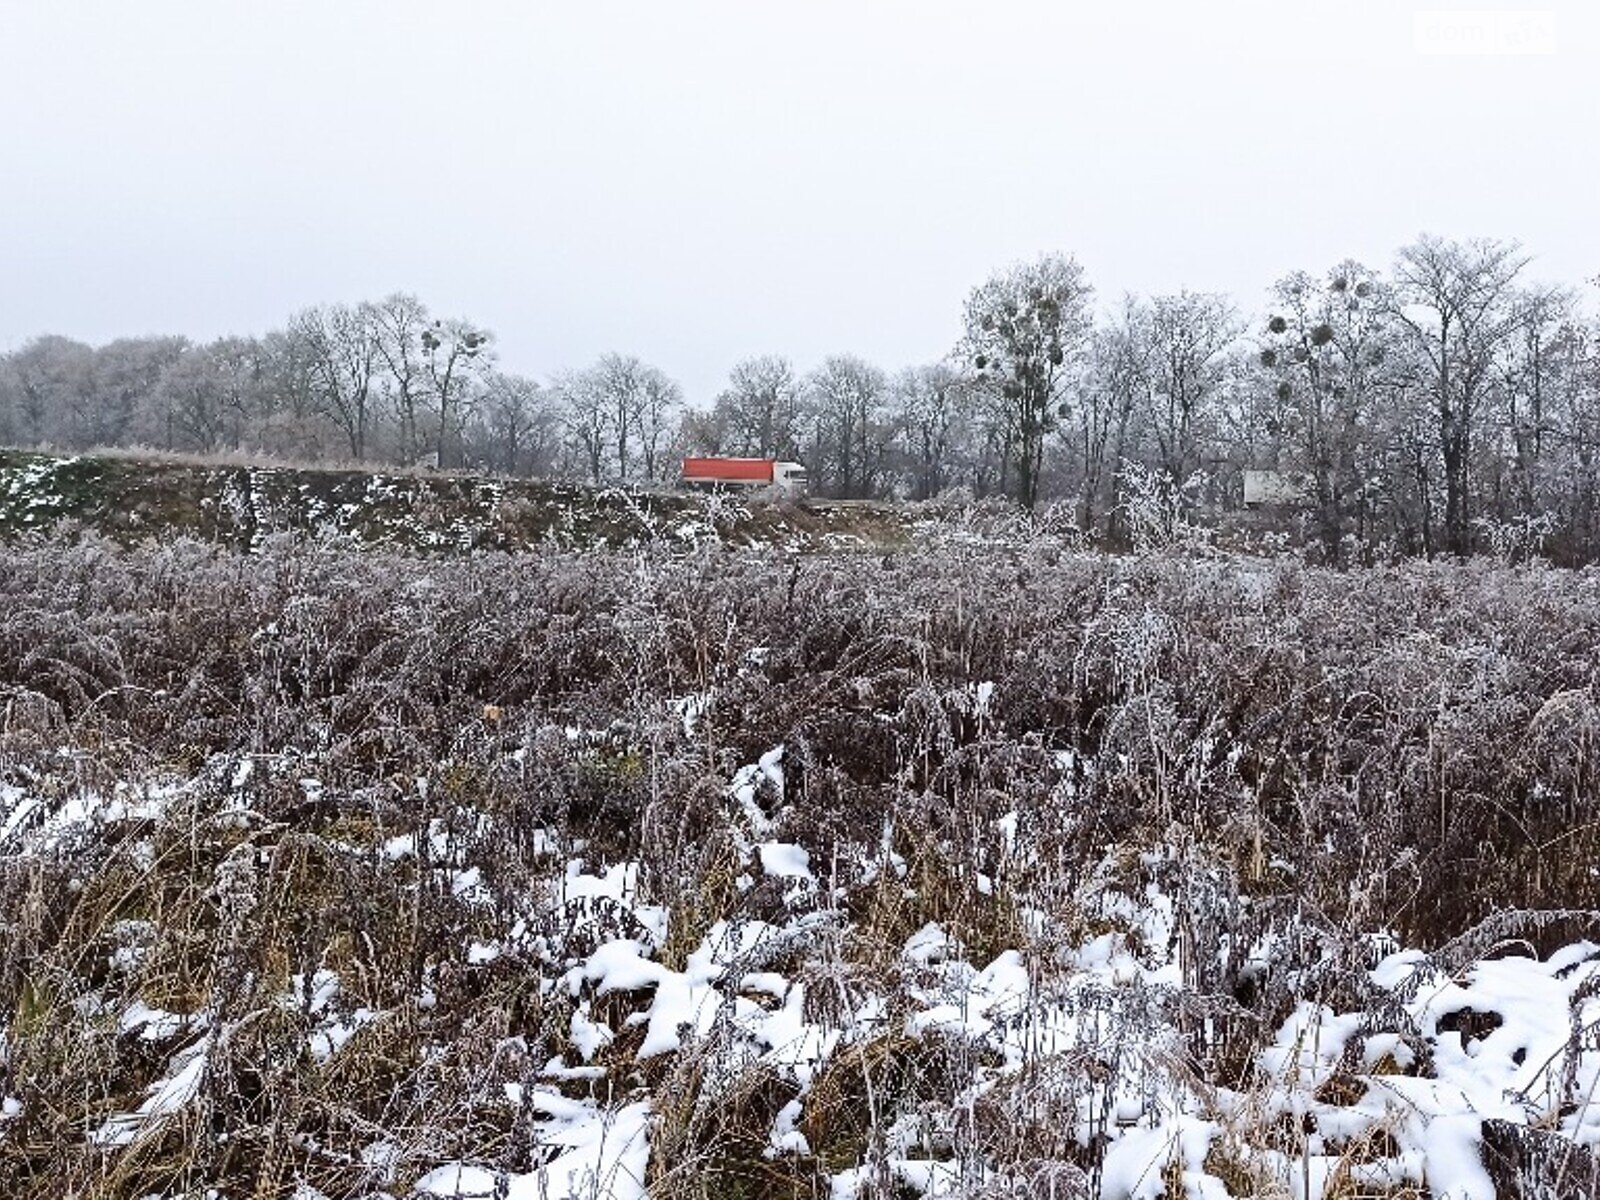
(1444, 405)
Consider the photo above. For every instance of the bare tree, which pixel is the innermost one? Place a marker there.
(620, 414)
(1188, 334)
(930, 405)
(343, 353)
(1023, 329)
(1579, 435)
(195, 397)
(586, 418)
(453, 352)
(291, 418)
(619, 381)
(127, 375)
(660, 402)
(705, 431)
(759, 410)
(1115, 384)
(519, 432)
(237, 367)
(1326, 349)
(1544, 358)
(398, 323)
(1456, 301)
(48, 382)
(849, 437)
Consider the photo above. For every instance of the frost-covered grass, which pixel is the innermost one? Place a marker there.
(970, 872)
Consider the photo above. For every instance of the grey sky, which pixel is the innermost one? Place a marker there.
(694, 183)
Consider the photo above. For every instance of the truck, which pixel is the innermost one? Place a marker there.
(745, 474)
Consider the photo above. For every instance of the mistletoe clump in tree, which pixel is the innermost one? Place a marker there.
(1329, 348)
(1024, 329)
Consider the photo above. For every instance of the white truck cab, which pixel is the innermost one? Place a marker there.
(789, 478)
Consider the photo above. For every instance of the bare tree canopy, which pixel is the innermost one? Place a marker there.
(1447, 405)
(1456, 302)
(1025, 328)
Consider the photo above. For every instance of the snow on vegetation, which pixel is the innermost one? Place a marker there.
(1390, 1095)
(475, 886)
(593, 1153)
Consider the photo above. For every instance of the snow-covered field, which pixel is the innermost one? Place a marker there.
(1103, 1037)
(329, 876)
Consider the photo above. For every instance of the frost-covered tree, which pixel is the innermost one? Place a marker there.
(757, 414)
(1188, 336)
(515, 428)
(398, 323)
(620, 414)
(660, 406)
(454, 353)
(1327, 350)
(1543, 364)
(585, 419)
(932, 414)
(341, 346)
(1115, 382)
(127, 378)
(1458, 305)
(292, 420)
(47, 386)
(849, 433)
(208, 394)
(1576, 436)
(1025, 328)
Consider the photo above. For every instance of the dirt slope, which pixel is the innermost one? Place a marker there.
(131, 499)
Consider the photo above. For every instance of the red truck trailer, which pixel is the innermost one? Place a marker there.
(750, 474)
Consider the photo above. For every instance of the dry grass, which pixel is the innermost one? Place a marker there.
(1415, 748)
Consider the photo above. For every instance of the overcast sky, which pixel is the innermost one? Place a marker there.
(695, 183)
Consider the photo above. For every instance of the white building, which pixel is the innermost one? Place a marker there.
(1275, 488)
